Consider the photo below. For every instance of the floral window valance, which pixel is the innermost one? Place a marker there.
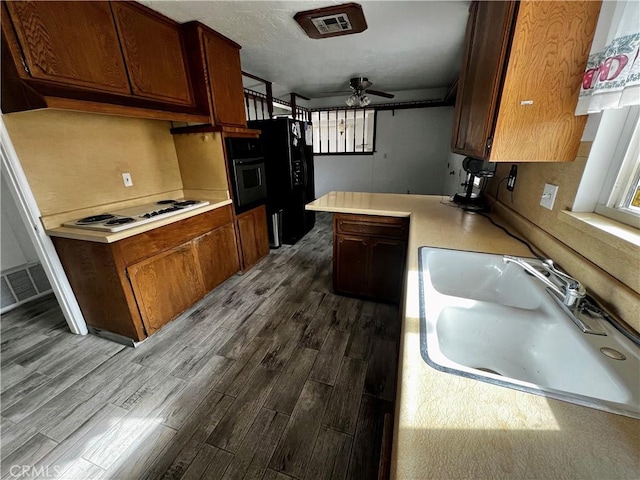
(612, 78)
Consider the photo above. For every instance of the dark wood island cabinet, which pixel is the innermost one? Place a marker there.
(135, 286)
(369, 254)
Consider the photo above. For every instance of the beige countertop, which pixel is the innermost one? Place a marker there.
(110, 237)
(447, 426)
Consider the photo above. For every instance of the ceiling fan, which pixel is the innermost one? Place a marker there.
(360, 87)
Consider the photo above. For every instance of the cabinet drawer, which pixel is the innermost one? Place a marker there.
(160, 239)
(391, 227)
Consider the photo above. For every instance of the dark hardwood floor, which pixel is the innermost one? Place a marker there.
(270, 376)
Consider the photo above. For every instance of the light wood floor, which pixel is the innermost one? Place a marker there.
(270, 376)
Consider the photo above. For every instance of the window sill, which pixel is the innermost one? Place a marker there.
(618, 235)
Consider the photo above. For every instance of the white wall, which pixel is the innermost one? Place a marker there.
(412, 150)
(15, 246)
(455, 175)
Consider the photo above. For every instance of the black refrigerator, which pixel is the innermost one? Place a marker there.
(288, 155)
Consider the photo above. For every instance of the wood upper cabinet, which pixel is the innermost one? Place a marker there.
(225, 80)
(217, 256)
(254, 236)
(74, 43)
(118, 58)
(153, 52)
(520, 80)
(369, 255)
(214, 62)
(165, 285)
(487, 39)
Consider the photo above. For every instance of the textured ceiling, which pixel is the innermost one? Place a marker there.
(409, 45)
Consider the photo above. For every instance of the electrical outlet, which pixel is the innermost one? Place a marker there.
(126, 179)
(549, 196)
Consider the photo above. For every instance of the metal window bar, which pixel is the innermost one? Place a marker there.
(336, 130)
(328, 134)
(319, 136)
(361, 144)
(299, 113)
(354, 130)
(252, 95)
(365, 126)
(246, 102)
(346, 130)
(319, 140)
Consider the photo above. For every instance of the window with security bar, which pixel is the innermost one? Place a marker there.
(345, 131)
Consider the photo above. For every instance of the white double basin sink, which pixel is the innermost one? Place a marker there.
(493, 322)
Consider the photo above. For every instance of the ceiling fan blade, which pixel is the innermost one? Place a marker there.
(380, 94)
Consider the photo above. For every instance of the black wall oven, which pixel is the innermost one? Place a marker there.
(246, 167)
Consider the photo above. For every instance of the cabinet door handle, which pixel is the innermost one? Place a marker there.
(25, 66)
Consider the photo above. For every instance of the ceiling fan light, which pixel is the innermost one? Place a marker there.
(351, 101)
(364, 101)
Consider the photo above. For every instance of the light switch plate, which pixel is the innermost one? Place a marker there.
(126, 179)
(549, 196)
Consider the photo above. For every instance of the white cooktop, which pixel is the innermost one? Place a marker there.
(124, 218)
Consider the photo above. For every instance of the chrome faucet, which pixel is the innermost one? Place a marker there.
(569, 297)
(573, 290)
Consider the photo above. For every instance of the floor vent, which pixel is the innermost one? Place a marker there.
(20, 284)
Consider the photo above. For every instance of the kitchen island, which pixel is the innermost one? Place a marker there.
(447, 426)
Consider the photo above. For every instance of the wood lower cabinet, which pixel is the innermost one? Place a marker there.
(520, 79)
(351, 264)
(369, 254)
(253, 235)
(136, 285)
(166, 284)
(387, 268)
(216, 261)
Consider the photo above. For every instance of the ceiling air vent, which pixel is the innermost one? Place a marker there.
(332, 21)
